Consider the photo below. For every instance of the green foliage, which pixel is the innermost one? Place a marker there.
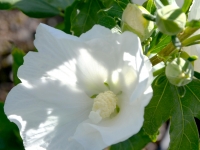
(150, 6)
(61, 4)
(117, 8)
(67, 18)
(79, 16)
(193, 23)
(136, 142)
(9, 133)
(85, 15)
(159, 42)
(107, 21)
(6, 4)
(197, 75)
(37, 8)
(107, 3)
(17, 62)
(168, 102)
(165, 2)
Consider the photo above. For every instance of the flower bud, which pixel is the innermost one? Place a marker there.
(133, 20)
(179, 72)
(170, 20)
(193, 58)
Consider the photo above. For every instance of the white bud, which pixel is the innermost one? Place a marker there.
(179, 72)
(133, 20)
(170, 20)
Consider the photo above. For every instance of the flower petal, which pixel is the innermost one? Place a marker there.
(97, 32)
(125, 124)
(117, 52)
(194, 11)
(136, 69)
(45, 115)
(57, 82)
(65, 65)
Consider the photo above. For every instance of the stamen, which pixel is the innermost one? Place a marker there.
(104, 105)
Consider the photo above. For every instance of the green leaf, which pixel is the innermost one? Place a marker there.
(107, 3)
(36, 9)
(60, 26)
(117, 8)
(197, 75)
(136, 142)
(193, 23)
(150, 6)
(32, 8)
(61, 4)
(67, 18)
(107, 21)
(85, 16)
(123, 3)
(17, 62)
(9, 133)
(5, 4)
(186, 5)
(168, 103)
(159, 42)
(165, 2)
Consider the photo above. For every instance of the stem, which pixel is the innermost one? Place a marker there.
(170, 48)
(191, 40)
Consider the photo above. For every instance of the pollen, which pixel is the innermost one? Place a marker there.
(104, 105)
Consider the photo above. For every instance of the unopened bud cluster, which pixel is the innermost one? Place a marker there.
(169, 20)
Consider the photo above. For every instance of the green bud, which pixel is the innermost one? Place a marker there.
(193, 58)
(179, 72)
(170, 20)
(133, 20)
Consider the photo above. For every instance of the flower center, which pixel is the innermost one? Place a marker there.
(104, 105)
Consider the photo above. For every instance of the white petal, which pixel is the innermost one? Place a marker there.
(194, 11)
(141, 65)
(47, 115)
(91, 73)
(53, 100)
(137, 70)
(56, 50)
(116, 53)
(97, 32)
(125, 124)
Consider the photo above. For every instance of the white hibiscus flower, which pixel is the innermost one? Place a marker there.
(53, 107)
